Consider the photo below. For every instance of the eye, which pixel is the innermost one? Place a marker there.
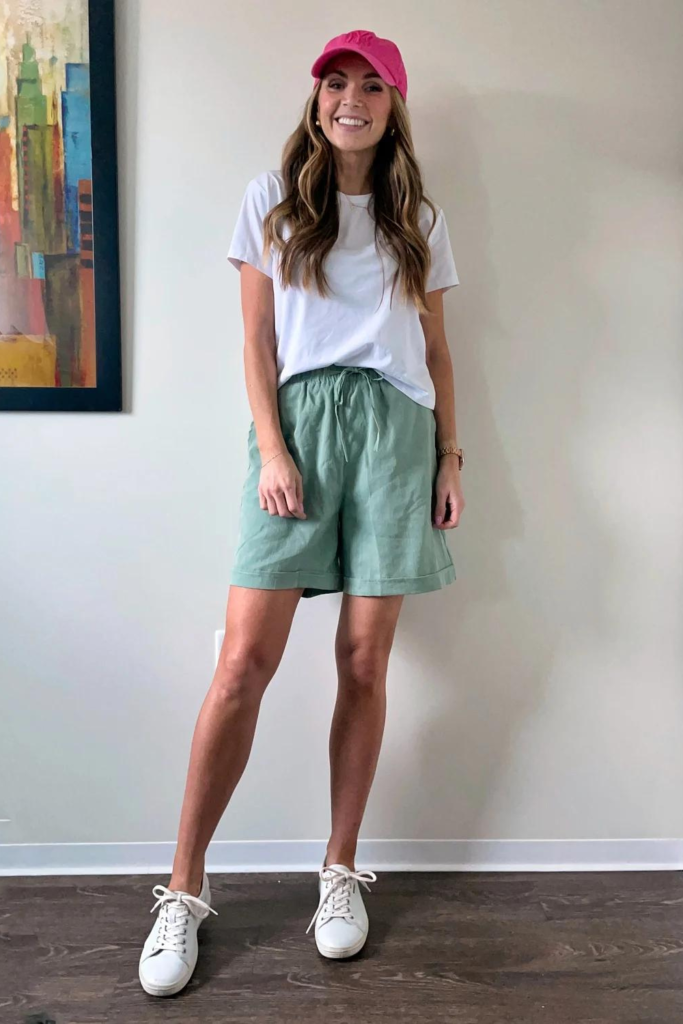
(374, 87)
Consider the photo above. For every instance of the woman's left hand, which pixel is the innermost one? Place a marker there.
(449, 501)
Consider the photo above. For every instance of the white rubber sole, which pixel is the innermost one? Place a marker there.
(339, 954)
(164, 990)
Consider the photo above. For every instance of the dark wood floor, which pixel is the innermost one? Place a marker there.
(471, 948)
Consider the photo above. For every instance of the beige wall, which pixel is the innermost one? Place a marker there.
(540, 696)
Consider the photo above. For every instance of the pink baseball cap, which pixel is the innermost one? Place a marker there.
(384, 56)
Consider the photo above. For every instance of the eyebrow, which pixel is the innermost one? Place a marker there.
(368, 74)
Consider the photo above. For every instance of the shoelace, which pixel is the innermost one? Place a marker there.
(337, 901)
(339, 399)
(172, 927)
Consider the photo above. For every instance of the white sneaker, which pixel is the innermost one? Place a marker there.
(169, 955)
(341, 921)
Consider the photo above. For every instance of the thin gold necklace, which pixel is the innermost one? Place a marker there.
(359, 206)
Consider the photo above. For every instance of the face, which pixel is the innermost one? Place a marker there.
(351, 87)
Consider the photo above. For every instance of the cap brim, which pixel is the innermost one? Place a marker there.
(379, 67)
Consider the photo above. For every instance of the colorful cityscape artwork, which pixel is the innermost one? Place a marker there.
(58, 232)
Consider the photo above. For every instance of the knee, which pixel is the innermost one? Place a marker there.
(362, 666)
(243, 672)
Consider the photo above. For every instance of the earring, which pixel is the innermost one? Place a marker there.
(317, 122)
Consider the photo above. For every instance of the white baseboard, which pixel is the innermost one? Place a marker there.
(377, 854)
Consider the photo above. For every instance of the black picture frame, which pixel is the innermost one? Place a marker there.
(106, 395)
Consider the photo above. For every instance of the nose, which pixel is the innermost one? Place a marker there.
(353, 91)
(352, 105)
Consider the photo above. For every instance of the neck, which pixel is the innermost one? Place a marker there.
(354, 173)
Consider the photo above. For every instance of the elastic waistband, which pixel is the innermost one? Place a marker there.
(328, 371)
(340, 374)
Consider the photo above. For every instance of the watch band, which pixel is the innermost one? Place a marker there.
(450, 449)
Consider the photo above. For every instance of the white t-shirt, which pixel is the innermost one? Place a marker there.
(355, 325)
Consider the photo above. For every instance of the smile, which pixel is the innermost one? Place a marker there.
(351, 123)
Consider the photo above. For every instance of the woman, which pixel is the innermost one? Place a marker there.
(352, 439)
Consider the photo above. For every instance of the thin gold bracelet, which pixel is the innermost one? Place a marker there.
(271, 459)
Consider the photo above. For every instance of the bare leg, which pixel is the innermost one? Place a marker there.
(363, 644)
(257, 625)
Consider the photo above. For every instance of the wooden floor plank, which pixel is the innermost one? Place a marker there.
(462, 948)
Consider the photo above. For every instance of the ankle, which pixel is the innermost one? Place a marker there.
(347, 859)
(186, 883)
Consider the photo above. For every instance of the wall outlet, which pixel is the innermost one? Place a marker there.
(218, 643)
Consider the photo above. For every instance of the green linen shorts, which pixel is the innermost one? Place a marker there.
(367, 456)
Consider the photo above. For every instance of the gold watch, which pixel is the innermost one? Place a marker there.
(450, 449)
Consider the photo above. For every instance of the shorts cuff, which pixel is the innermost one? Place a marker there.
(400, 584)
(285, 580)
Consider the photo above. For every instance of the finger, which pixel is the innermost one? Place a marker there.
(293, 502)
(440, 509)
(262, 499)
(299, 492)
(282, 509)
(272, 507)
(454, 513)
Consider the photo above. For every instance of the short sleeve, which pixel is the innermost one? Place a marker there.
(442, 273)
(247, 240)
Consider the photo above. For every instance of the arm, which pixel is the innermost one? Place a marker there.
(440, 369)
(280, 483)
(440, 366)
(260, 367)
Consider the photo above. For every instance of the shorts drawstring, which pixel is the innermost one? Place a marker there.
(338, 399)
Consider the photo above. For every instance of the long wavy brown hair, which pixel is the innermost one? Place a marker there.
(310, 205)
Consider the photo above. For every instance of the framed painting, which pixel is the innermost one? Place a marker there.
(60, 323)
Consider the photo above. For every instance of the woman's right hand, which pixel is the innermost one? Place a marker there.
(280, 488)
